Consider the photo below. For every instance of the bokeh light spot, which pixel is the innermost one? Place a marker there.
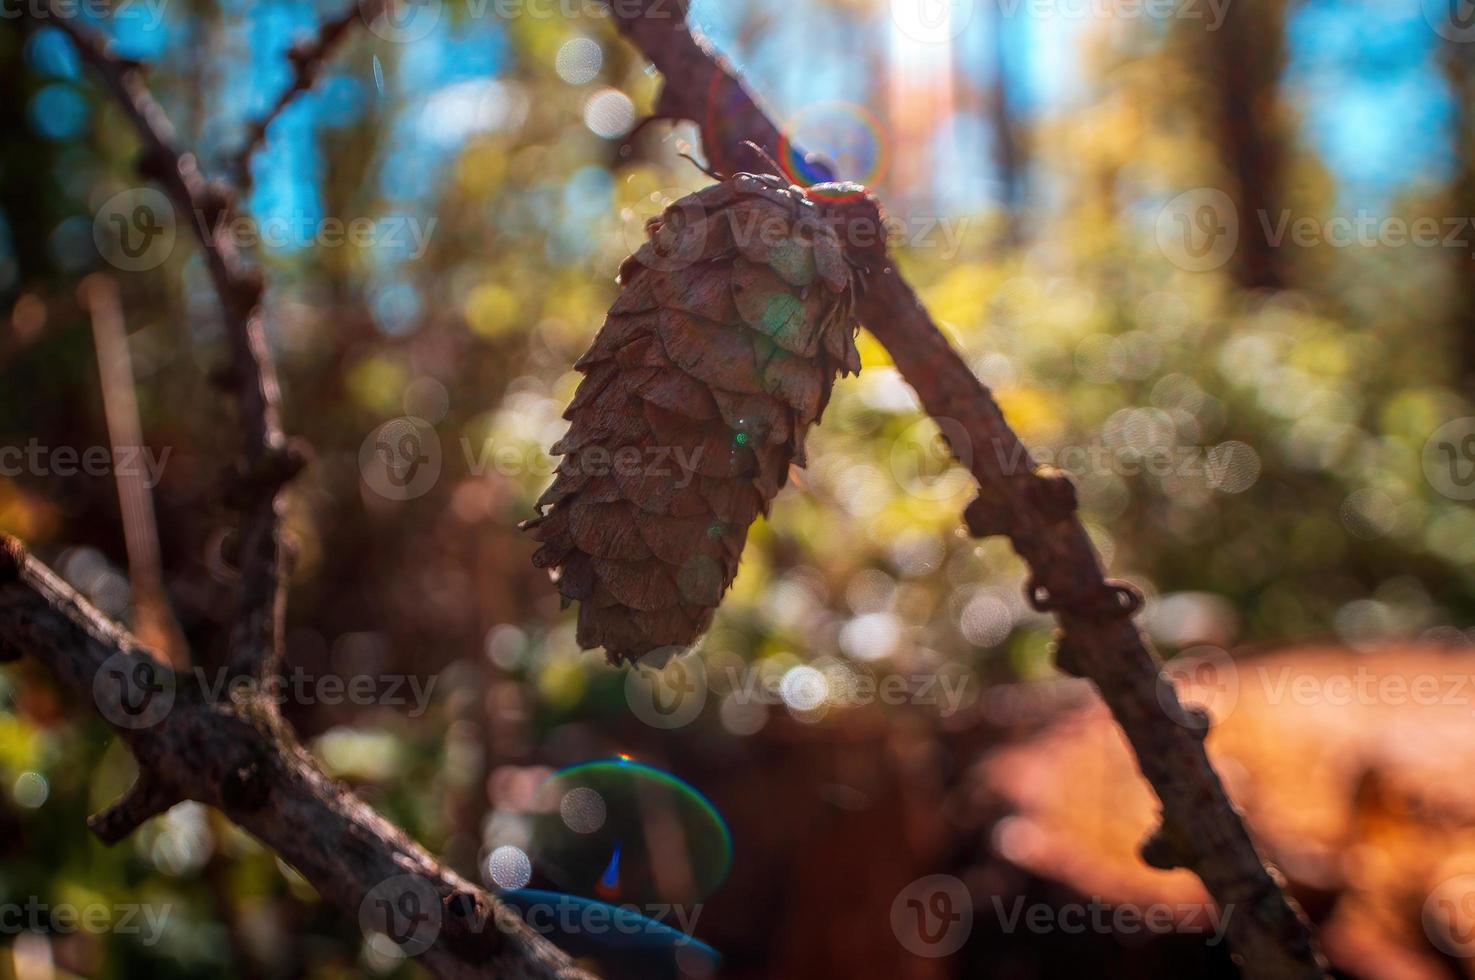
(609, 113)
(579, 60)
(509, 867)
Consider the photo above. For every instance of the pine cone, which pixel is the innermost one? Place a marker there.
(719, 354)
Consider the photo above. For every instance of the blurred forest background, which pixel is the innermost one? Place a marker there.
(1087, 196)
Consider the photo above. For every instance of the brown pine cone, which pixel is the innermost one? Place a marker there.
(720, 352)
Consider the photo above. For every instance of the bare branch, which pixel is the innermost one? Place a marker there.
(700, 86)
(1036, 510)
(307, 57)
(146, 798)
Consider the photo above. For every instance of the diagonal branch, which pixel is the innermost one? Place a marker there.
(1035, 508)
(243, 760)
(307, 58)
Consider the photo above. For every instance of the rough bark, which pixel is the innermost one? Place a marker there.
(237, 755)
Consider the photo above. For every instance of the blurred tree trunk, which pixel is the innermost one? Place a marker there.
(1010, 151)
(1459, 67)
(30, 202)
(835, 822)
(1240, 65)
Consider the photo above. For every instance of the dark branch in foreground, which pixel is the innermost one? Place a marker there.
(1035, 508)
(236, 753)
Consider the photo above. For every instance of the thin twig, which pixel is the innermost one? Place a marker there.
(1201, 829)
(153, 620)
(307, 58)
